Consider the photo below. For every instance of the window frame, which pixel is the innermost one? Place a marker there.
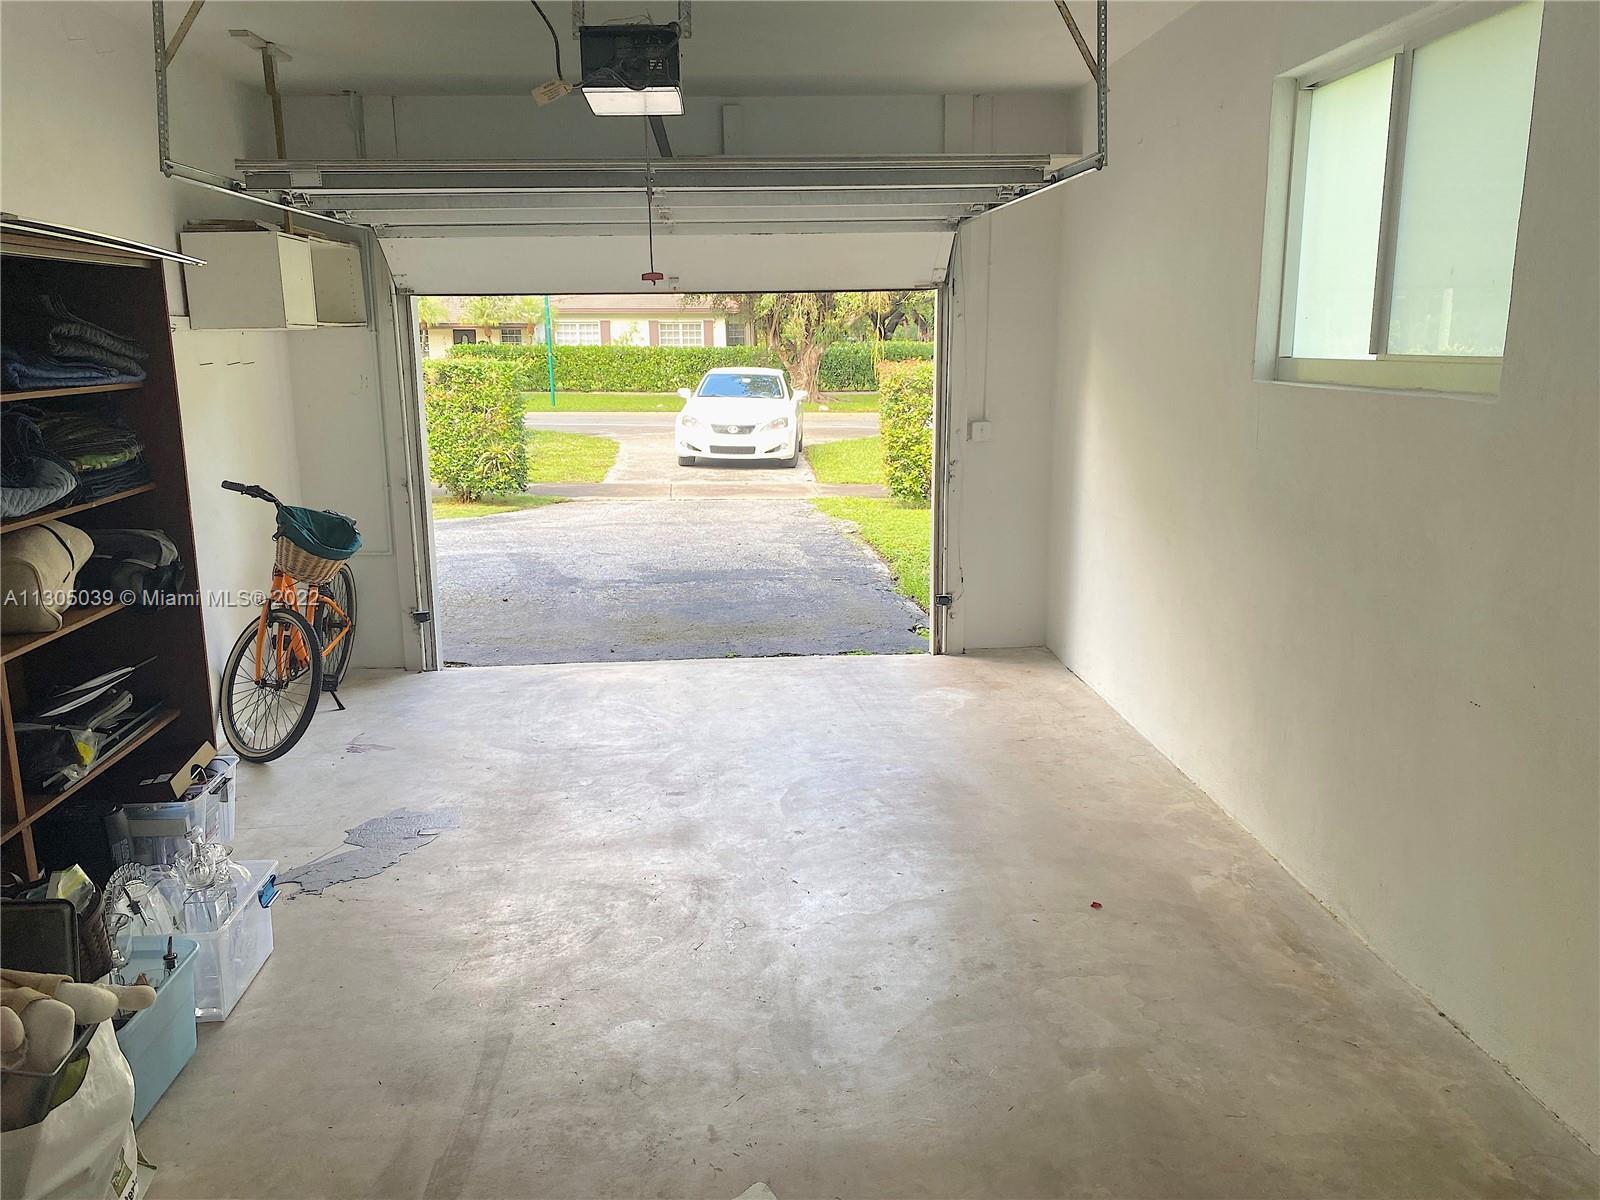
(697, 323)
(577, 325)
(516, 335)
(1473, 375)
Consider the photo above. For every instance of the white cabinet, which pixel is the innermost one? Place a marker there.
(341, 292)
(253, 279)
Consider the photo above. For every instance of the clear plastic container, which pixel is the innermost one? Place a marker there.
(229, 956)
(156, 832)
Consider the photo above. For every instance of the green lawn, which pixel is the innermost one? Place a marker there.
(854, 460)
(447, 509)
(555, 457)
(844, 402)
(672, 402)
(901, 533)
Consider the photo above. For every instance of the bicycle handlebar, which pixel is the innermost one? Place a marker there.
(253, 490)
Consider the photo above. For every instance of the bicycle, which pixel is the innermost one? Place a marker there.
(300, 643)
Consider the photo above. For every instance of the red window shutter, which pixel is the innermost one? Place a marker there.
(655, 333)
(605, 333)
(710, 337)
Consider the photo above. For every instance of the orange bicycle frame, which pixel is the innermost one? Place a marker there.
(285, 593)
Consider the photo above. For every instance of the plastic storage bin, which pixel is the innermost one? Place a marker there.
(229, 956)
(155, 832)
(159, 1041)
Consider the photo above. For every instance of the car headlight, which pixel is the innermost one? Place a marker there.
(780, 423)
(687, 421)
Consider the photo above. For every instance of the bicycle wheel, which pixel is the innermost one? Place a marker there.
(332, 618)
(264, 712)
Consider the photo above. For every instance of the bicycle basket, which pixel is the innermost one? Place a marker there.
(311, 544)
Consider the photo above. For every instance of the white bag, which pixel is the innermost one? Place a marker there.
(84, 1149)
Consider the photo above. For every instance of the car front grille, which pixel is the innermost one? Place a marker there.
(733, 449)
(733, 428)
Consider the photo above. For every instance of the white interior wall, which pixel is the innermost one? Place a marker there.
(1365, 623)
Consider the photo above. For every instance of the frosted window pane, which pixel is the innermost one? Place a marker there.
(1461, 186)
(1342, 201)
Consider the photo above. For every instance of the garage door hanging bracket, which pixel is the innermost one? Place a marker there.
(1099, 69)
(172, 169)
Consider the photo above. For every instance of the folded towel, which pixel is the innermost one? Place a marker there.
(69, 325)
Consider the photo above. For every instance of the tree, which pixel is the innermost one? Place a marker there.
(883, 313)
(504, 310)
(796, 326)
(431, 310)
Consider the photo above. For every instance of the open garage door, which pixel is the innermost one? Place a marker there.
(716, 224)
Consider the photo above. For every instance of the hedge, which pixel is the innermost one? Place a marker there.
(845, 366)
(850, 366)
(616, 368)
(905, 418)
(476, 445)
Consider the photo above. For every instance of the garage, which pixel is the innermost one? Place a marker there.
(1238, 835)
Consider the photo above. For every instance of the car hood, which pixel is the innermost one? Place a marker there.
(720, 410)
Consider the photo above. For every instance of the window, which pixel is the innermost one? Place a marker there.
(682, 333)
(463, 337)
(736, 333)
(511, 335)
(577, 333)
(748, 387)
(1405, 188)
(422, 329)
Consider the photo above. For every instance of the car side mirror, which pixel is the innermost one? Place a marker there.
(684, 392)
(801, 395)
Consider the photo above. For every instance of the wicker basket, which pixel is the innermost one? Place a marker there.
(306, 568)
(94, 941)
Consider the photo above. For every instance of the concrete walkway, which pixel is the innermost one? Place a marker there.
(598, 581)
(647, 463)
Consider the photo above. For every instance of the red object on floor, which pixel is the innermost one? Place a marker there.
(1094, 904)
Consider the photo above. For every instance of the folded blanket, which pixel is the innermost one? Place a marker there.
(69, 326)
(93, 485)
(70, 349)
(47, 483)
(24, 370)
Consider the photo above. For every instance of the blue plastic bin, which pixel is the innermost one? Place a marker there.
(159, 1041)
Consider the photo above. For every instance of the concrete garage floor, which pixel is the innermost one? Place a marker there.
(599, 580)
(819, 922)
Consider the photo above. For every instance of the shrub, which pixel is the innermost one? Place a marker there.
(849, 366)
(845, 366)
(906, 423)
(615, 368)
(476, 445)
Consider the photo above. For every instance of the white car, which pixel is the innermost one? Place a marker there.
(740, 413)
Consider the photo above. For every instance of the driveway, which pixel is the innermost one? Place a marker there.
(647, 462)
(631, 580)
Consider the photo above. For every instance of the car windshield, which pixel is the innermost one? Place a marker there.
(755, 387)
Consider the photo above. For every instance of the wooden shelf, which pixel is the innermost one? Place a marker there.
(122, 288)
(15, 645)
(40, 803)
(52, 514)
(93, 389)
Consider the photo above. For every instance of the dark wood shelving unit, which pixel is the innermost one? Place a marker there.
(122, 288)
(94, 389)
(55, 514)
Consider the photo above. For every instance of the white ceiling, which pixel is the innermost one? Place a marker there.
(737, 47)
